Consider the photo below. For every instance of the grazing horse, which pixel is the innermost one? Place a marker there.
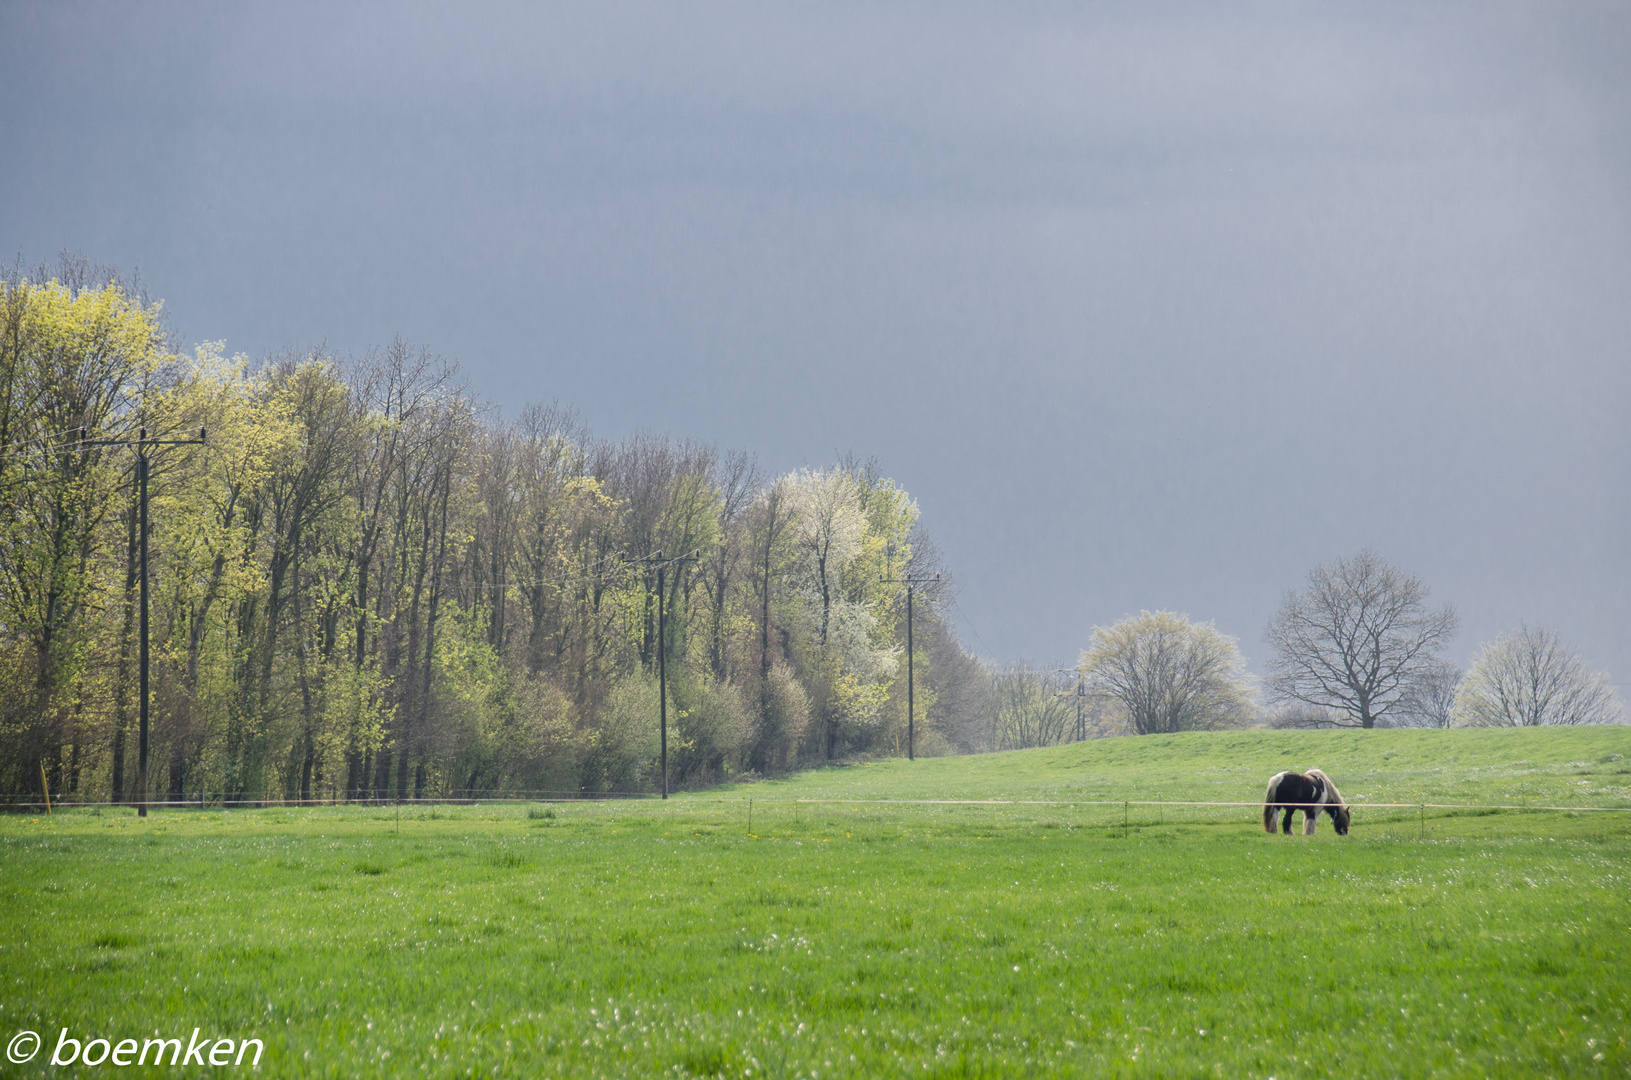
(1310, 792)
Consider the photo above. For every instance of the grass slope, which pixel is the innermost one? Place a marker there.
(863, 939)
(1558, 766)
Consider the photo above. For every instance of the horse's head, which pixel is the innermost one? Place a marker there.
(1340, 818)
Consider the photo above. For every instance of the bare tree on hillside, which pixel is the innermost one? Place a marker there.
(1028, 709)
(1356, 640)
(1295, 715)
(1428, 700)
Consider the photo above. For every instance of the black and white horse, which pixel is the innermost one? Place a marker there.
(1311, 792)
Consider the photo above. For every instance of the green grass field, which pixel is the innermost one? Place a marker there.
(854, 938)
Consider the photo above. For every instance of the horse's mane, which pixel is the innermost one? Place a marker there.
(1336, 796)
(1341, 816)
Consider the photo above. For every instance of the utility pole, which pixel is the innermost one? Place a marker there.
(141, 757)
(911, 582)
(662, 564)
(1080, 694)
(1081, 697)
(662, 669)
(141, 443)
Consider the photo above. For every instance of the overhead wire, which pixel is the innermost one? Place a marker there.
(25, 447)
(971, 627)
(578, 576)
(45, 435)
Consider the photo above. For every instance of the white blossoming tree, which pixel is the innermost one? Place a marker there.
(1529, 678)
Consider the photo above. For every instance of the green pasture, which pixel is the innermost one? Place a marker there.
(1053, 934)
(1517, 766)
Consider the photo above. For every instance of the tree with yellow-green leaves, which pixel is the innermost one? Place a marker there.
(366, 585)
(75, 359)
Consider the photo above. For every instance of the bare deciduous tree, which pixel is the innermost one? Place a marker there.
(1426, 702)
(1169, 674)
(1529, 678)
(1356, 640)
(1028, 709)
(1294, 715)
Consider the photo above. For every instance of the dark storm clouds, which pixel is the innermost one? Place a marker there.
(1149, 306)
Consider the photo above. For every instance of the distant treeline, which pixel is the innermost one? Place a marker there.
(366, 582)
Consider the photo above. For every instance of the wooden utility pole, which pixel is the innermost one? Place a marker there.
(141, 758)
(911, 582)
(662, 669)
(662, 565)
(141, 443)
(1080, 694)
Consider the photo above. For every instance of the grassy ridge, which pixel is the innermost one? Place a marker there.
(1561, 766)
(863, 940)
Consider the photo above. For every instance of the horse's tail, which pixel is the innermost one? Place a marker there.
(1270, 811)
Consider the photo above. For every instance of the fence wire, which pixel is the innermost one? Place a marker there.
(220, 800)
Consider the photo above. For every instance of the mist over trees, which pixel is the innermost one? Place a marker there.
(367, 583)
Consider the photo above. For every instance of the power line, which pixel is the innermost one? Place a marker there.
(563, 579)
(49, 435)
(24, 450)
(971, 627)
(580, 576)
(26, 447)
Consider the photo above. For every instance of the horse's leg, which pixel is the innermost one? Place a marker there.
(1311, 817)
(1285, 825)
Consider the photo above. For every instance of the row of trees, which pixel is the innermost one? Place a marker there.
(364, 581)
(1359, 647)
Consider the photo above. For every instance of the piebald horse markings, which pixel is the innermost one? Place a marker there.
(1312, 793)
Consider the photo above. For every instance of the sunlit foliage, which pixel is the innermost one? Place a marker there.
(366, 583)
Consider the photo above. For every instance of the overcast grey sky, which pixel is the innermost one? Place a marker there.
(1148, 305)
